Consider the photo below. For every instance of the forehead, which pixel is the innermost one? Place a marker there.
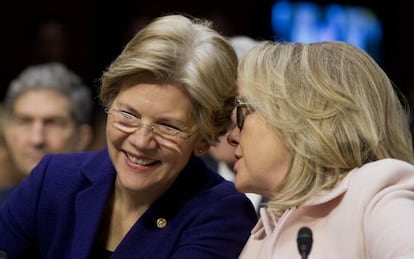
(45, 102)
(159, 102)
(159, 98)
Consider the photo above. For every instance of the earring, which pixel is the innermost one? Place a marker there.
(200, 151)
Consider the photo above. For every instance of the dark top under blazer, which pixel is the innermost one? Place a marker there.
(56, 212)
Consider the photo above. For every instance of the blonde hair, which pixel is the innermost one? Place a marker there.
(334, 107)
(189, 53)
(242, 43)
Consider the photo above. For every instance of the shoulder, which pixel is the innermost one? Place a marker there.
(383, 172)
(198, 181)
(197, 186)
(379, 181)
(65, 174)
(384, 192)
(74, 161)
(223, 199)
(389, 164)
(71, 167)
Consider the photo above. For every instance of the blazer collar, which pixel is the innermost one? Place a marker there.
(100, 174)
(92, 201)
(268, 219)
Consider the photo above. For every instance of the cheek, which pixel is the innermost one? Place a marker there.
(114, 137)
(276, 160)
(10, 135)
(258, 154)
(265, 166)
(265, 155)
(65, 141)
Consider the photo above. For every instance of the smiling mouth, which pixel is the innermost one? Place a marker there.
(141, 161)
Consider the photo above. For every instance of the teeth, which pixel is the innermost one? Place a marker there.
(140, 161)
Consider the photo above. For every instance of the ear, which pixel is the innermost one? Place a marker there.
(201, 148)
(84, 137)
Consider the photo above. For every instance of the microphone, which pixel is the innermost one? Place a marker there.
(304, 241)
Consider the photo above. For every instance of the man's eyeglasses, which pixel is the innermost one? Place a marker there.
(129, 123)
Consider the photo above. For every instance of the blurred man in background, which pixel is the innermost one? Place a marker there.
(47, 110)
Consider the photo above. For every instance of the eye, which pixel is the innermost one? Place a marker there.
(164, 129)
(170, 126)
(128, 115)
(18, 120)
(57, 122)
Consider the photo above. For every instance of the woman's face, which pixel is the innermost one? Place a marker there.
(141, 124)
(262, 158)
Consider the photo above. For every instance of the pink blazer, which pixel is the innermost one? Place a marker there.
(370, 214)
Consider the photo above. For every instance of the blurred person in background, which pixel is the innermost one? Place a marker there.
(8, 175)
(47, 110)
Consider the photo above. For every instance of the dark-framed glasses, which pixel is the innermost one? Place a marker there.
(129, 123)
(241, 112)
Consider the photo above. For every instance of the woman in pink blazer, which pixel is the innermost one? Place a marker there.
(322, 134)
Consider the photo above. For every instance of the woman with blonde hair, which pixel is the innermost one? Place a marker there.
(322, 133)
(168, 96)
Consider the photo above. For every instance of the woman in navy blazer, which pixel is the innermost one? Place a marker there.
(169, 96)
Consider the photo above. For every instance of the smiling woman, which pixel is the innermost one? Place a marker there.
(169, 95)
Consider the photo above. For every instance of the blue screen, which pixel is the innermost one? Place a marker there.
(310, 22)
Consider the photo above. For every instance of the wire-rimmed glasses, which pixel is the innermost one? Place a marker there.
(129, 123)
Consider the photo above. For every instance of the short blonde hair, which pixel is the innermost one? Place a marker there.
(334, 107)
(189, 53)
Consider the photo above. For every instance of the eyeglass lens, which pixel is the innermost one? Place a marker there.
(239, 115)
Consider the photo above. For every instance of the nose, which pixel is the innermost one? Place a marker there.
(147, 127)
(233, 136)
(37, 134)
(142, 137)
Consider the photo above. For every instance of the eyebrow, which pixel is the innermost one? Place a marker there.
(160, 119)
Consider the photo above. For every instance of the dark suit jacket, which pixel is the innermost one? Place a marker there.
(4, 193)
(56, 212)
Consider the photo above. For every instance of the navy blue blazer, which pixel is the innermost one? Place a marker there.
(56, 212)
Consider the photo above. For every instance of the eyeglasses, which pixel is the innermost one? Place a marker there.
(129, 123)
(241, 112)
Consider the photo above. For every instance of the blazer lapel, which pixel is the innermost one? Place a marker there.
(90, 206)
